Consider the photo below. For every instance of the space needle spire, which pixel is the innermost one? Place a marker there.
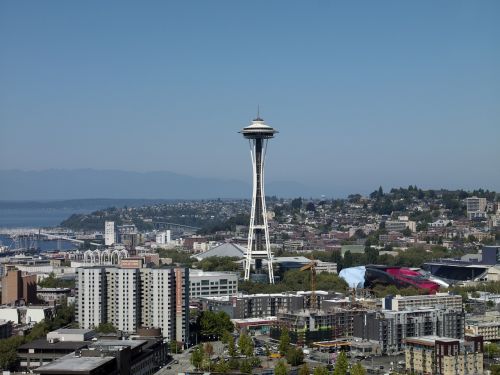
(258, 247)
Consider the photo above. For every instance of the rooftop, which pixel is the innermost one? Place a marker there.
(430, 340)
(200, 273)
(227, 249)
(75, 331)
(43, 344)
(71, 364)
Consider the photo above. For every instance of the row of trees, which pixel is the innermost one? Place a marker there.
(52, 281)
(341, 368)
(294, 280)
(201, 357)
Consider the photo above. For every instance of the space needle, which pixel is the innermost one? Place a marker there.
(259, 247)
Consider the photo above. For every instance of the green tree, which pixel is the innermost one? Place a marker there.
(255, 362)
(231, 348)
(341, 365)
(219, 264)
(197, 357)
(320, 370)
(233, 364)
(221, 367)
(8, 351)
(226, 337)
(295, 356)
(52, 281)
(280, 368)
(245, 344)
(214, 324)
(106, 328)
(304, 369)
(348, 260)
(495, 369)
(284, 344)
(246, 366)
(371, 255)
(491, 350)
(175, 347)
(297, 204)
(358, 369)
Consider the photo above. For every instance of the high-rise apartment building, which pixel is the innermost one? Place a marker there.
(163, 238)
(165, 301)
(132, 298)
(109, 233)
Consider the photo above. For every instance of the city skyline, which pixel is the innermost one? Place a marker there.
(384, 94)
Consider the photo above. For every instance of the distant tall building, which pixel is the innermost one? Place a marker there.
(131, 298)
(476, 207)
(17, 286)
(258, 247)
(109, 233)
(163, 238)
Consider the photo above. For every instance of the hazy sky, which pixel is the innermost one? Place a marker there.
(364, 93)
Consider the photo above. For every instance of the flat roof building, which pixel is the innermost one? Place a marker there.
(439, 300)
(208, 284)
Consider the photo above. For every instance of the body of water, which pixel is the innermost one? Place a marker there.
(36, 217)
(43, 245)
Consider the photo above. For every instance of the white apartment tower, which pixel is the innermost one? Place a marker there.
(130, 298)
(163, 238)
(476, 207)
(109, 233)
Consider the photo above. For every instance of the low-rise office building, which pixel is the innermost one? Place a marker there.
(438, 300)
(308, 326)
(490, 331)
(444, 355)
(110, 357)
(26, 314)
(262, 305)
(209, 284)
(53, 295)
(57, 344)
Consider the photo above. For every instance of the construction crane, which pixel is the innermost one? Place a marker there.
(312, 267)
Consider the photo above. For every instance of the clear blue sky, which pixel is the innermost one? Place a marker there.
(364, 93)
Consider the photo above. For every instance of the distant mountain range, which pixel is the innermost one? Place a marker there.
(55, 184)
